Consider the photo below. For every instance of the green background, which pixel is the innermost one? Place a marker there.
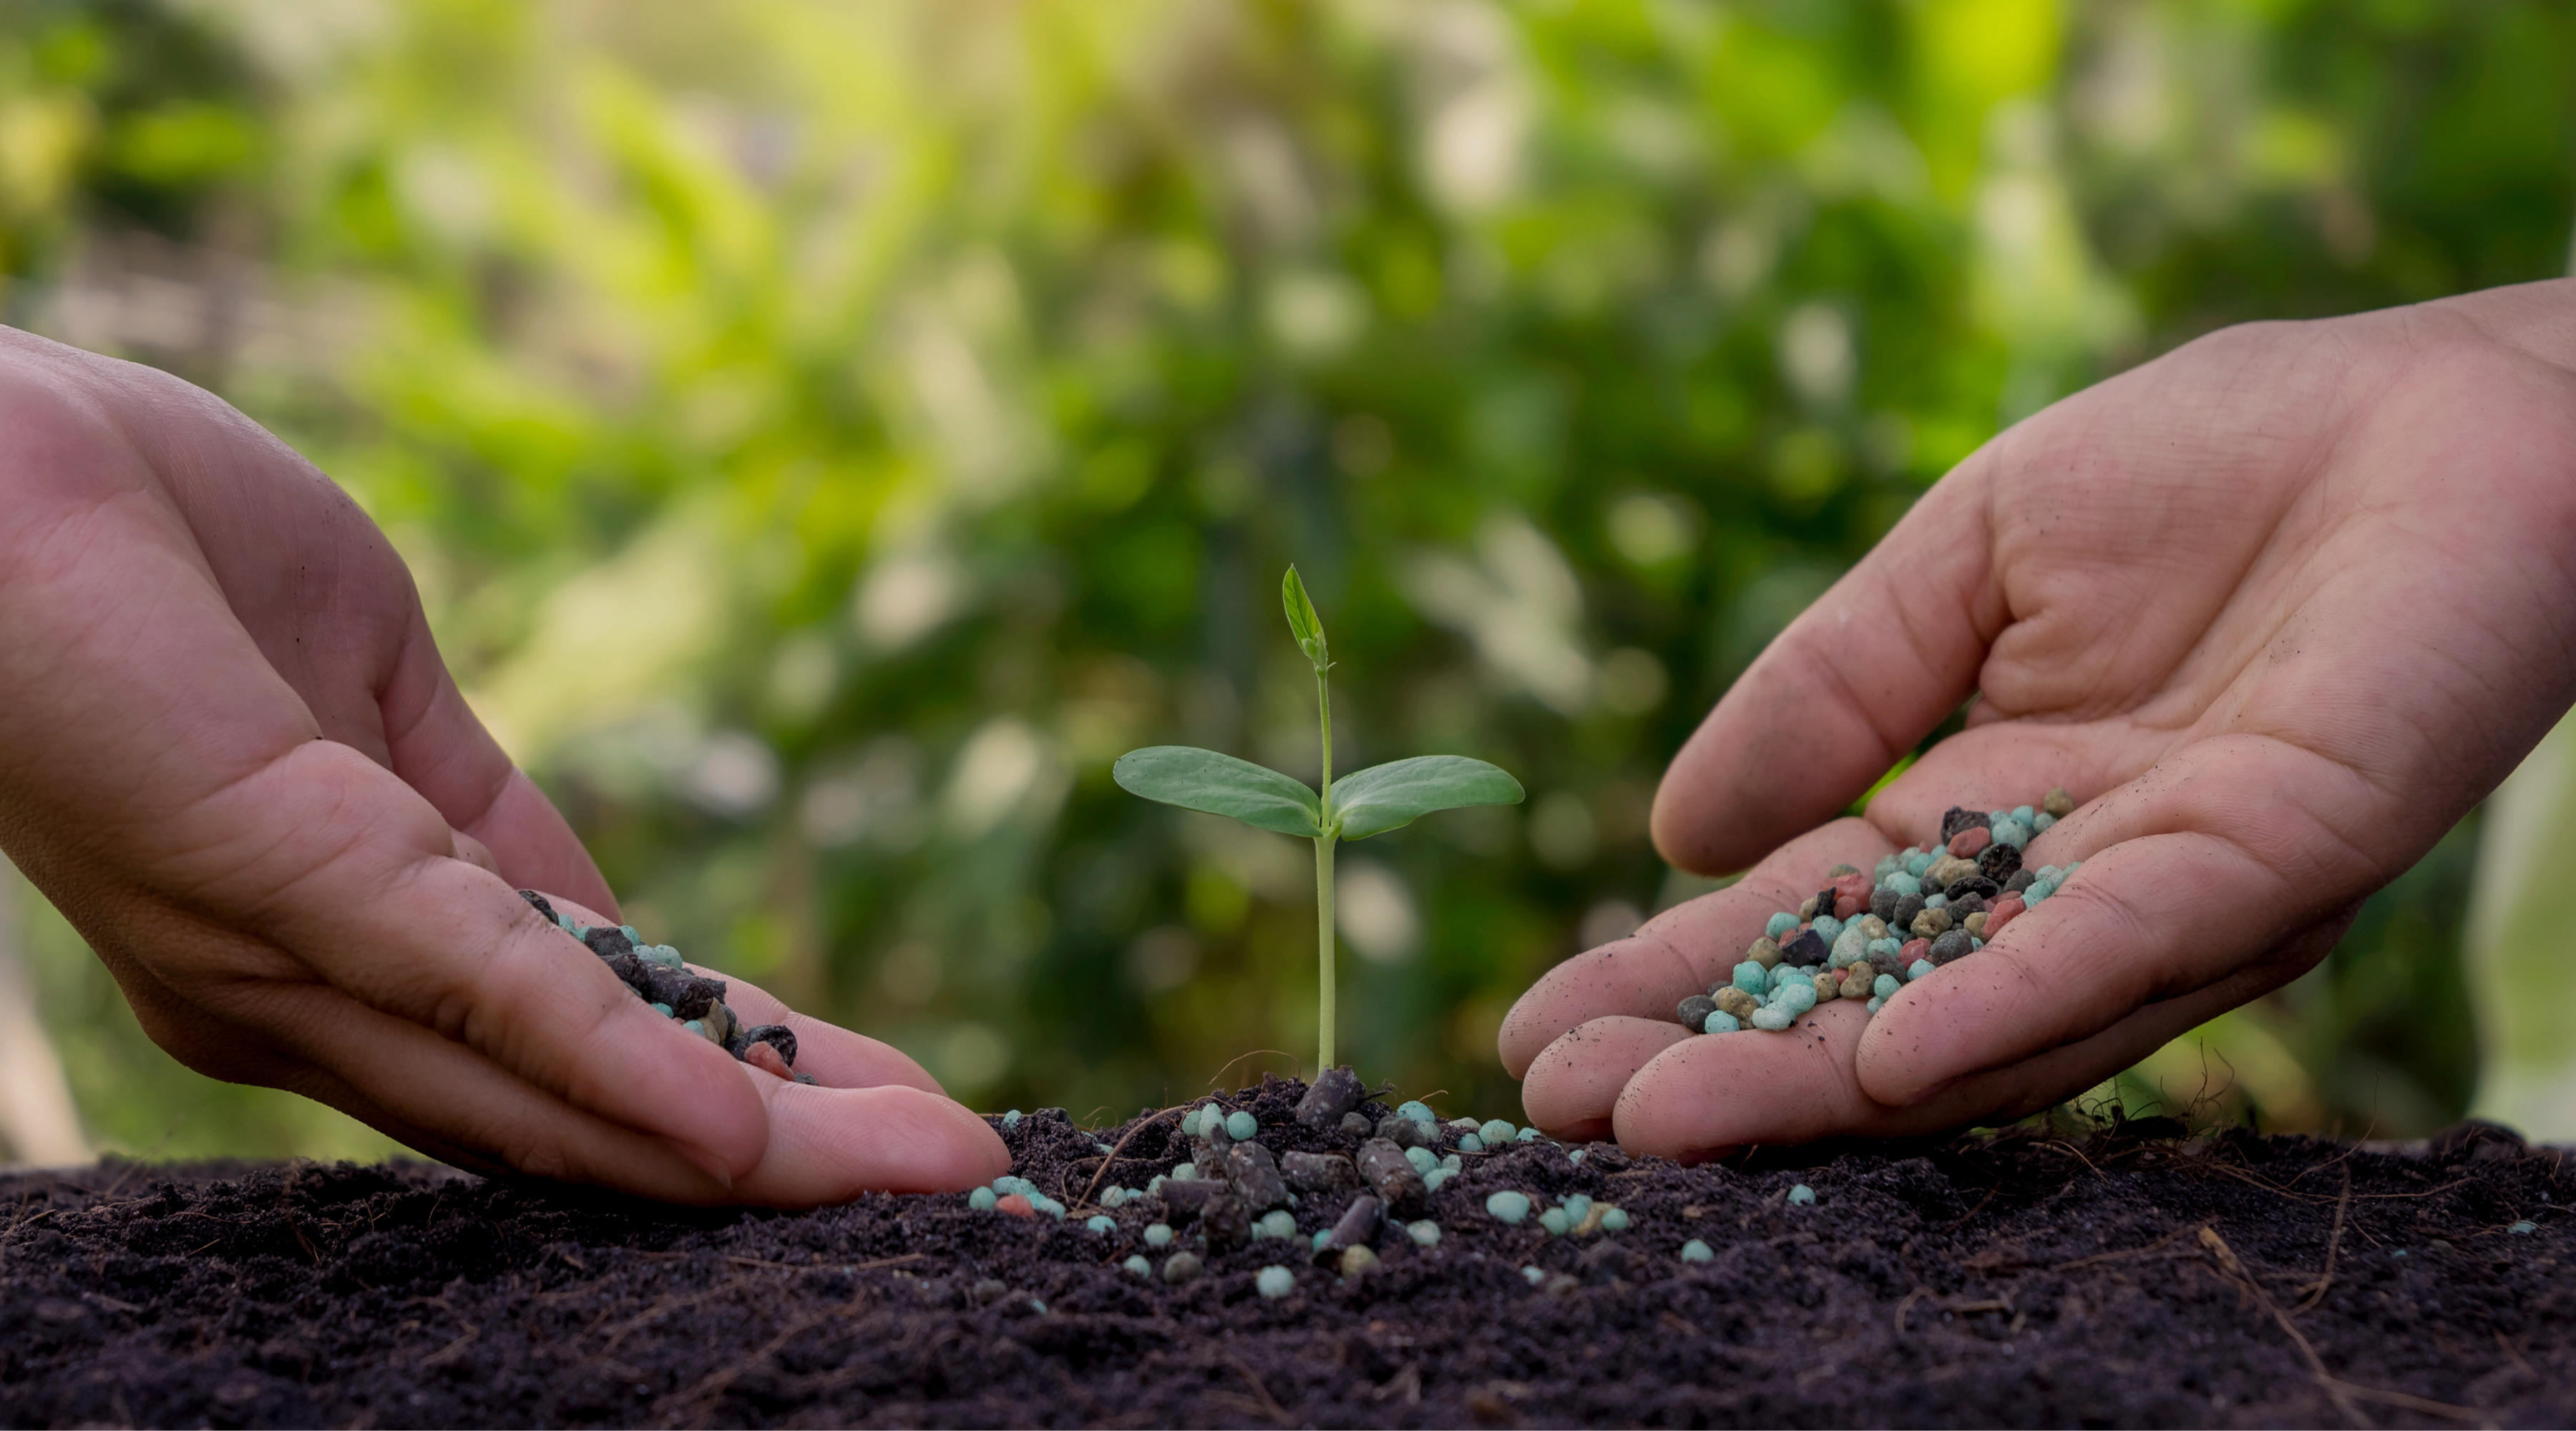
(826, 435)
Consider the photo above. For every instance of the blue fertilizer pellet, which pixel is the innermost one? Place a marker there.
(1919, 968)
(1720, 1021)
(1158, 1235)
(1533, 1276)
(1275, 1282)
(982, 1199)
(1099, 1222)
(1697, 1251)
(1424, 1234)
(1138, 1265)
(1422, 1159)
(1419, 1111)
(1802, 1196)
(1507, 1207)
(1615, 1220)
(1240, 1126)
(1471, 1143)
(1011, 1119)
(1780, 924)
(1752, 978)
(1555, 1221)
(1884, 985)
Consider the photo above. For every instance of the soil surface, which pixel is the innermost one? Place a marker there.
(2025, 1278)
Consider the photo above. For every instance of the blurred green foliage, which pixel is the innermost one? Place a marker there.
(826, 435)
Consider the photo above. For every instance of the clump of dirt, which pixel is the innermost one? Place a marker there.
(2111, 1277)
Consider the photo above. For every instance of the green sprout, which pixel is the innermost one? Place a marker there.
(1368, 802)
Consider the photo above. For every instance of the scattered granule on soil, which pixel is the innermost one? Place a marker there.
(2018, 1278)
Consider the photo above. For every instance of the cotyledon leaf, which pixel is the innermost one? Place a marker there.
(1383, 797)
(1196, 779)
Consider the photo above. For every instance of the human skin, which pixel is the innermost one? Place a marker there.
(2277, 608)
(231, 756)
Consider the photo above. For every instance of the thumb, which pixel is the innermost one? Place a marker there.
(1861, 676)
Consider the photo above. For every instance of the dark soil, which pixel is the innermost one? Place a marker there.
(2026, 1278)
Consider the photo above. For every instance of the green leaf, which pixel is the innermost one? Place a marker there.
(1197, 779)
(1303, 623)
(1383, 797)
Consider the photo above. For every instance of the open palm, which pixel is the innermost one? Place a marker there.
(2278, 608)
(230, 754)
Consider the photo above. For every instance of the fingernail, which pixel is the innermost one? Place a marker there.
(702, 1160)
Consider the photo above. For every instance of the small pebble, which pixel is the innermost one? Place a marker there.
(1692, 1251)
(1614, 1219)
(1802, 1196)
(1970, 842)
(1424, 1234)
(1016, 1206)
(1690, 1013)
(1180, 1267)
(2059, 804)
(1158, 1235)
(1764, 952)
(1507, 1207)
(1241, 1125)
(1101, 1222)
(1138, 1265)
(1357, 1261)
(982, 1199)
(1275, 1282)
(1533, 1275)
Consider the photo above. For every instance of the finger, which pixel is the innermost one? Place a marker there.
(1712, 1095)
(445, 1099)
(2193, 871)
(828, 1145)
(1573, 1085)
(345, 865)
(474, 852)
(834, 1056)
(1852, 684)
(1681, 951)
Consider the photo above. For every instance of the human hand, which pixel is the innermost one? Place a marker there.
(2278, 608)
(232, 757)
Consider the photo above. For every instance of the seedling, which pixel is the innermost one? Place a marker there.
(1368, 802)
